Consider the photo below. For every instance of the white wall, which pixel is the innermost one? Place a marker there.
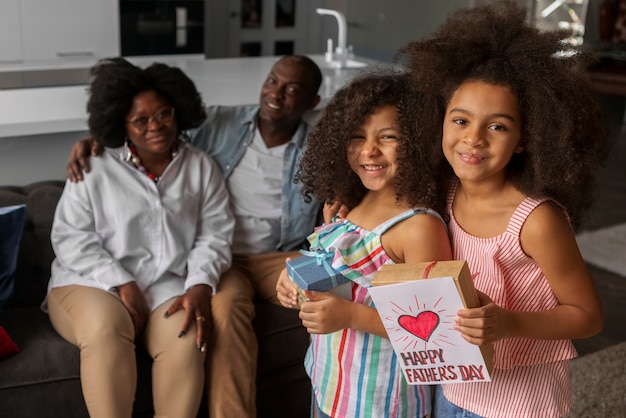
(27, 159)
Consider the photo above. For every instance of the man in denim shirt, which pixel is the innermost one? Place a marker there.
(257, 148)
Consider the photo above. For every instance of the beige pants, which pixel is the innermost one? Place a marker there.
(100, 326)
(232, 352)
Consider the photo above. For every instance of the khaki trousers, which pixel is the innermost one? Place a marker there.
(232, 352)
(100, 326)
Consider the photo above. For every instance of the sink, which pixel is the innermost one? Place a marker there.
(355, 64)
(349, 64)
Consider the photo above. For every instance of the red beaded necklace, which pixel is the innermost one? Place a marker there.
(134, 158)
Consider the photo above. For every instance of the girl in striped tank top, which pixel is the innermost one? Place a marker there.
(523, 136)
(371, 150)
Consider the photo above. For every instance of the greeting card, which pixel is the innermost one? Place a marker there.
(417, 304)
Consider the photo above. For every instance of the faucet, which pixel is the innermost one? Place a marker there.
(340, 56)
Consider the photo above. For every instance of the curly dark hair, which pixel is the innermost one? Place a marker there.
(563, 131)
(324, 169)
(114, 84)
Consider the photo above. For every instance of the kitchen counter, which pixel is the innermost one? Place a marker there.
(225, 81)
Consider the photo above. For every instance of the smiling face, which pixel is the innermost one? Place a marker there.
(372, 150)
(157, 137)
(481, 131)
(287, 93)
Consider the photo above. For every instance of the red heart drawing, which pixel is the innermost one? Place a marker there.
(422, 326)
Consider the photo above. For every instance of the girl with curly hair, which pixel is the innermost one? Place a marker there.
(141, 243)
(373, 151)
(523, 137)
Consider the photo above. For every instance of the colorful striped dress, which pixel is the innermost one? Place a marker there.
(531, 377)
(356, 374)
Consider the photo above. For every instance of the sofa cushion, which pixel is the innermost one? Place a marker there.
(11, 226)
(7, 345)
(35, 251)
(45, 375)
(283, 388)
(45, 356)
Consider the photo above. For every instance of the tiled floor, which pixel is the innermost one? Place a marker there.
(609, 208)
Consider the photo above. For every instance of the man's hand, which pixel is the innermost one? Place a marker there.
(78, 160)
(330, 210)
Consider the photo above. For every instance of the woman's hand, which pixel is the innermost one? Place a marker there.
(135, 303)
(197, 305)
(78, 161)
(286, 291)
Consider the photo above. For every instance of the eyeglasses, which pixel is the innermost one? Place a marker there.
(164, 117)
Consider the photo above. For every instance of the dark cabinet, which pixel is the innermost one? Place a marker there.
(161, 27)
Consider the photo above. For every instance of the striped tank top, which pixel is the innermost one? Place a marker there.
(356, 374)
(531, 377)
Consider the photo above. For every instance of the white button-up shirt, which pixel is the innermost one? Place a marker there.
(118, 226)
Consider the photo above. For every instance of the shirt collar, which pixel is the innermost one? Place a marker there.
(298, 138)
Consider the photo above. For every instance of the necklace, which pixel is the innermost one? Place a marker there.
(134, 158)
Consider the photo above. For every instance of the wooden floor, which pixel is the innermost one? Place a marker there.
(609, 208)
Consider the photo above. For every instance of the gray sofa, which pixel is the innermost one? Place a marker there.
(43, 379)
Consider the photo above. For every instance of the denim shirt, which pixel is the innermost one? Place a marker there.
(225, 136)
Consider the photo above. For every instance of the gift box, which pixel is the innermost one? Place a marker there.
(421, 319)
(314, 271)
(457, 269)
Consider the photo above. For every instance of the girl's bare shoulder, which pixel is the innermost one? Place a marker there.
(547, 219)
(422, 237)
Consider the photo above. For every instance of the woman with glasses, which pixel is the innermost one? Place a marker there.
(140, 244)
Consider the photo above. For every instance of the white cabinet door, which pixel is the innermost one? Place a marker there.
(10, 34)
(69, 29)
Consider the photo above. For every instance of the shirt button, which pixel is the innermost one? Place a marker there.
(228, 167)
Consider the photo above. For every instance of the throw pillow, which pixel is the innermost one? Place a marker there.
(7, 346)
(11, 225)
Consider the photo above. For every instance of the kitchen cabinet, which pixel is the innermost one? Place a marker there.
(61, 30)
